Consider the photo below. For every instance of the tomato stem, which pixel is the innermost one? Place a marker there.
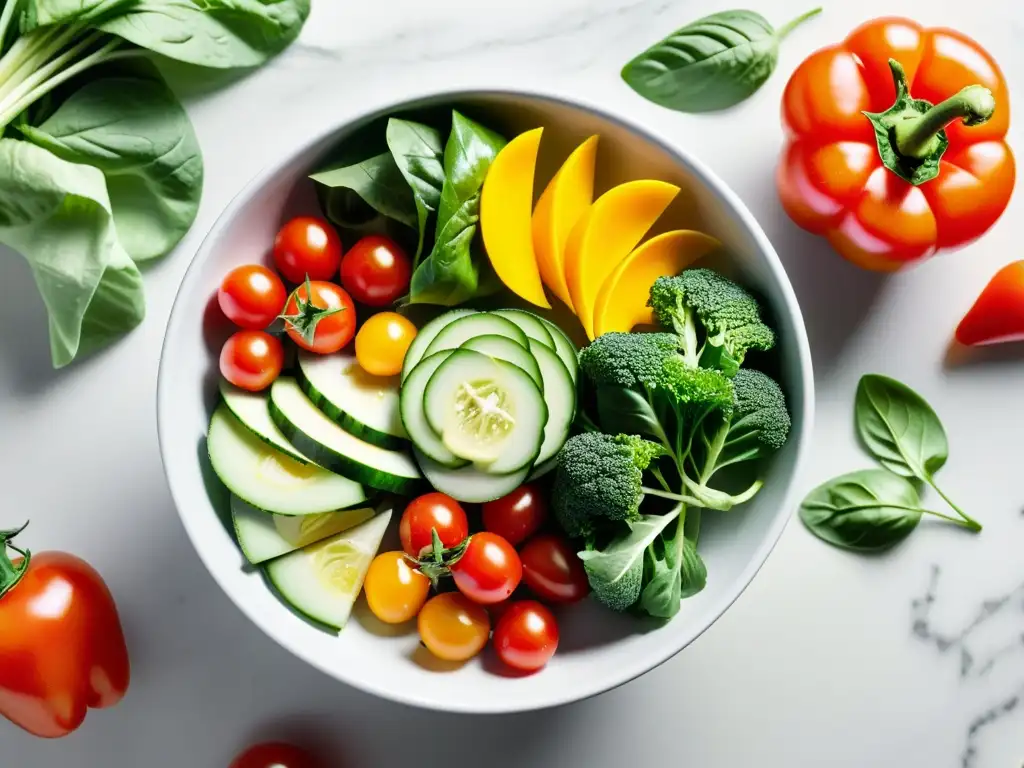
(785, 29)
(10, 574)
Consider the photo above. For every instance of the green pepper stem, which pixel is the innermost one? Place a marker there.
(918, 137)
(10, 574)
(785, 29)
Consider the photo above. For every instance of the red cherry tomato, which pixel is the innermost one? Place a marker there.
(376, 271)
(252, 360)
(332, 331)
(489, 570)
(275, 755)
(517, 516)
(552, 570)
(251, 296)
(432, 511)
(526, 636)
(307, 246)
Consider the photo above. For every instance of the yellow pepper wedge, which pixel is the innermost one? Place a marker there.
(506, 204)
(622, 302)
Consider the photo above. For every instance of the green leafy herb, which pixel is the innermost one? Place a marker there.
(673, 571)
(419, 154)
(380, 184)
(713, 63)
(902, 431)
(626, 411)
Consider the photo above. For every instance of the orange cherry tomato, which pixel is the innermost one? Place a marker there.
(252, 360)
(320, 317)
(251, 296)
(517, 516)
(382, 342)
(877, 213)
(376, 271)
(307, 246)
(395, 591)
(275, 755)
(432, 511)
(526, 636)
(453, 627)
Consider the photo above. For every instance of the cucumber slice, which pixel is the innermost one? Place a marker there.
(333, 448)
(560, 397)
(502, 348)
(263, 536)
(529, 324)
(426, 334)
(487, 411)
(463, 329)
(362, 404)
(564, 348)
(423, 435)
(323, 580)
(469, 484)
(253, 410)
(539, 470)
(270, 479)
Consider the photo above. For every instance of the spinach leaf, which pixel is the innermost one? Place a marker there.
(58, 216)
(615, 572)
(673, 572)
(419, 155)
(710, 64)
(865, 511)
(379, 183)
(134, 130)
(211, 33)
(451, 273)
(902, 431)
(623, 410)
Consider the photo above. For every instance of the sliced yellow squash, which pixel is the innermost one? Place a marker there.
(622, 302)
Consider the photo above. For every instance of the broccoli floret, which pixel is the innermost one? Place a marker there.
(628, 359)
(705, 388)
(701, 299)
(619, 595)
(599, 479)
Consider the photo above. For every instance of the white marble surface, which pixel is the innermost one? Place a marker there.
(818, 663)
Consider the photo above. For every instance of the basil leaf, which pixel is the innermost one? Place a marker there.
(451, 273)
(379, 183)
(419, 155)
(133, 129)
(626, 411)
(713, 63)
(865, 511)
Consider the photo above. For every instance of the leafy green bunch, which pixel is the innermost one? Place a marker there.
(673, 425)
(99, 166)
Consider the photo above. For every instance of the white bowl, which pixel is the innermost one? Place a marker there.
(599, 649)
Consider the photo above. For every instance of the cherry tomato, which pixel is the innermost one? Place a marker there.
(454, 628)
(526, 636)
(376, 271)
(330, 332)
(382, 342)
(275, 755)
(395, 591)
(489, 570)
(307, 247)
(552, 569)
(251, 360)
(432, 511)
(517, 516)
(251, 296)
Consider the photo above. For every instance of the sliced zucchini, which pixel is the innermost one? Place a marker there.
(362, 404)
(469, 484)
(263, 536)
(270, 479)
(323, 580)
(502, 348)
(560, 397)
(529, 324)
(426, 334)
(564, 348)
(333, 448)
(463, 329)
(422, 434)
(253, 410)
(487, 411)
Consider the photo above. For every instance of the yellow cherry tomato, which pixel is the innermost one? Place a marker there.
(394, 589)
(453, 627)
(382, 342)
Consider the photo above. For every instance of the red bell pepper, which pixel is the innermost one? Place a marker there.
(889, 179)
(998, 313)
(62, 650)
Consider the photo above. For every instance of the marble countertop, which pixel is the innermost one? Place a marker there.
(913, 658)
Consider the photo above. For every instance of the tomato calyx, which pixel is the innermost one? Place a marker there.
(911, 134)
(307, 315)
(10, 574)
(437, 562)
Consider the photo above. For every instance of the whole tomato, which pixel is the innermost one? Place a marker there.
(251, 296)
(489, 570)
(275, 754)
(526, 636)
(320, 317)
(518, 515)
(307, 247)
(552, 570)
(376, 271)
(251, 360)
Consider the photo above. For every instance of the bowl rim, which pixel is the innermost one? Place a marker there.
(630, 669)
